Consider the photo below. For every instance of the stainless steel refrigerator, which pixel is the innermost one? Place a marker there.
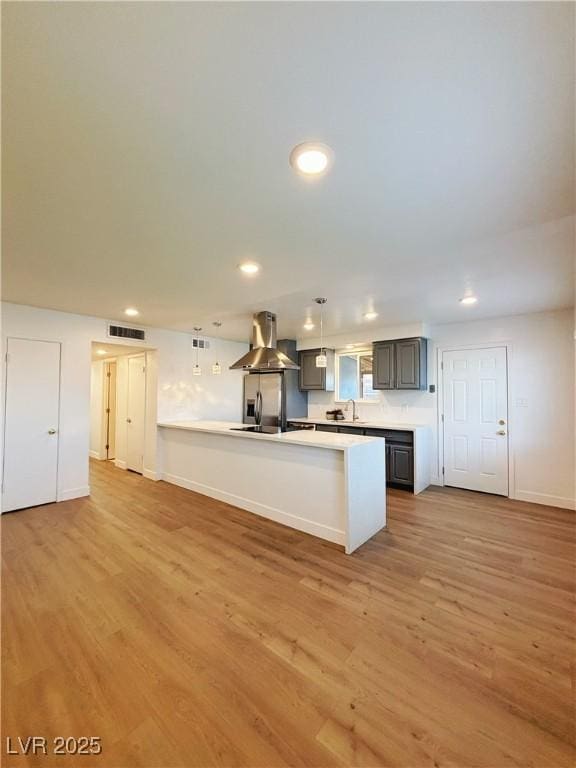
(270, 399)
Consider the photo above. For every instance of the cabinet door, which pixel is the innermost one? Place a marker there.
(383, 353)
(401, 464)
(311, 377)
(411, 364)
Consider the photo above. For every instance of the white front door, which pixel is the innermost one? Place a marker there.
(476, 419)
(136, 413)
(31, 423)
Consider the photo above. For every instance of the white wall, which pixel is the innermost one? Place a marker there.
(212, 397)
(541, 391)
(182, 395)
(541, 398)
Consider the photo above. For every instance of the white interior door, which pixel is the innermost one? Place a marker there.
(136, 413)
(31, 423)
(476, 419)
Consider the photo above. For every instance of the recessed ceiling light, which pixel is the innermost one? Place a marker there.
(100, 351)
(370, 315)
(468, 300)
(249, 267)
(131, 312)
(350, 346)
(308, 325)
(311, 159)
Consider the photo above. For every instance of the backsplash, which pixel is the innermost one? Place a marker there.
(399, 407)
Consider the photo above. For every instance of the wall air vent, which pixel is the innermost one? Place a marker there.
(123, 332)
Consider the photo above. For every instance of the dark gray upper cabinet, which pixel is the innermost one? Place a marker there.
(400, 364)
(411, 364)
(384, 365)
(313, 378)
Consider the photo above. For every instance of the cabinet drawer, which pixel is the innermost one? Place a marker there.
(326, 428)
(351, 430)
(392, 435)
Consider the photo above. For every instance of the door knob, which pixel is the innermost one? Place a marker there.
(129, 421)
(501, 422)
(51, 431)
(501, 432)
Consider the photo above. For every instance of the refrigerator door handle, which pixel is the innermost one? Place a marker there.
(258, 409)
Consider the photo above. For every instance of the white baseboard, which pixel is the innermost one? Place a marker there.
(120, 464)
(73, 493)
(544, 498)
(151, 474)
(94, 454)
(271, 513)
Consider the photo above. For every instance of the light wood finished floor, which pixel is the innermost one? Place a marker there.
(185, 632)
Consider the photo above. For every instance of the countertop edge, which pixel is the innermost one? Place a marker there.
(286, 438)
(366, 425)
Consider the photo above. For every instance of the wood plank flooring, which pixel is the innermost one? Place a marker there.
(185, 632)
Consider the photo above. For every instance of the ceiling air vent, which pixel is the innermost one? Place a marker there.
(122, 332)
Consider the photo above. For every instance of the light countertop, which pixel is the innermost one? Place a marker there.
(331, 440)
(361, 424)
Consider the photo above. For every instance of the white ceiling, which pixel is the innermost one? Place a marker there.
(145, 154)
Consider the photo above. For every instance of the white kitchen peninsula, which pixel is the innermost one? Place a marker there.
(328, 485)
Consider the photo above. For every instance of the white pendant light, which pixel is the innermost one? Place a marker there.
(216, 367)
(197, 371)
(321, 359)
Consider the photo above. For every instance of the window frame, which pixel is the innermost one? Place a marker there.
(357, 353)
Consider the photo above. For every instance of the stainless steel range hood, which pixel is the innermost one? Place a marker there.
(264, 356)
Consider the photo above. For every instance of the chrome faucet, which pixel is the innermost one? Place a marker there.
(351, 400)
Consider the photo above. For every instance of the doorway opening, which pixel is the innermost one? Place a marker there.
(474, 419)
(122, 405)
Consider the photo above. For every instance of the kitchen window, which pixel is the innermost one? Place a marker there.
(354, 377)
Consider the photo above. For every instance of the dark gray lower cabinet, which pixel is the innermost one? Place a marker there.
(401, 462)
(326, 428)
(399, 450)
(351, 430)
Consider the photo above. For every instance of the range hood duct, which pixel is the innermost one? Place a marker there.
(264, 356)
